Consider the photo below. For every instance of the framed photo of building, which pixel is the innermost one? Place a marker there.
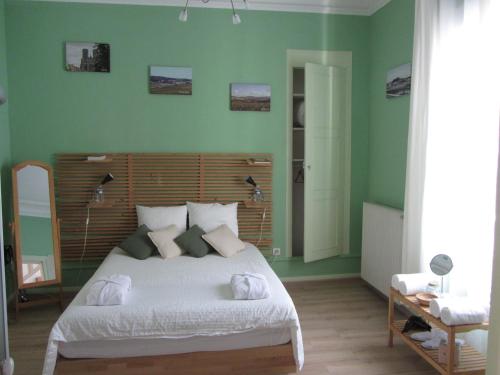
(87, 57)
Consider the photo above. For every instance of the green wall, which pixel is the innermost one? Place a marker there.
(391, 44)
(4, 161)
(5, 153)
(55, 111)
(36, 236)
(5, 146)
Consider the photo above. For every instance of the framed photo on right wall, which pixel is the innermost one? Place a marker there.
(398, 81)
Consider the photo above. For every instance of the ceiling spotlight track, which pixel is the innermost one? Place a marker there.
(183, 15)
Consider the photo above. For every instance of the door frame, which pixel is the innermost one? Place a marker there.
(298, 59)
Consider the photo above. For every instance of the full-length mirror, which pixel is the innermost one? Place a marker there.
(35, 225)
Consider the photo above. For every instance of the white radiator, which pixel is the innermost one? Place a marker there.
(381, 245)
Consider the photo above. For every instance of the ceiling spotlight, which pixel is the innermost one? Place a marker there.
(183, 16)
(236, 18)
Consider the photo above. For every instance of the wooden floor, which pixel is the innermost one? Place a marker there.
(344, 327)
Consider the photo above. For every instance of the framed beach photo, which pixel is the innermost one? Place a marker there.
(250, 97)
(87, 57)
(170, 80)
(398, 81)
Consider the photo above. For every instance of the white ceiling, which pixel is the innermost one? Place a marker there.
(353, 7)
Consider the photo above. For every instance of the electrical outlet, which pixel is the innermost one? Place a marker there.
(276, 252)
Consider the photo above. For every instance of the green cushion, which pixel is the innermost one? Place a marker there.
(138, 244)
(191, 242)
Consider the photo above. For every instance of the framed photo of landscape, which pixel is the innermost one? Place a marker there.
(250, 97)
(87, 57)
(398, 81)
(170, 80)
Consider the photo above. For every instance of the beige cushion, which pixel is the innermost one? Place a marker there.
(164, 241)
(224, 241)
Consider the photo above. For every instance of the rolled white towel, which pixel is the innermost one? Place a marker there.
(464, 311)
(411, 283)
(437, 304)
(395, 281)
(250, 286)
(108, 291)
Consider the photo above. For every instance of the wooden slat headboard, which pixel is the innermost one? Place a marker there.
(154, 179)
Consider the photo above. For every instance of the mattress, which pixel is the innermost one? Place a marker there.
(184, 300)
(165, 346)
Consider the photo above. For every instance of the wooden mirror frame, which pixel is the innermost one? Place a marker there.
(17, 230)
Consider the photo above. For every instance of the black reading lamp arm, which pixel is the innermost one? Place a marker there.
(257, 195)
(108, 178)
(249, 180)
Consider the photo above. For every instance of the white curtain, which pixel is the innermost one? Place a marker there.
(453, 140)
(460, 190)
(426, 24)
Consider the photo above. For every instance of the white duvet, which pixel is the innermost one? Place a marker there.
(174, 298)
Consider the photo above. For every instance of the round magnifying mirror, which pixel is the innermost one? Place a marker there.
(441, 264)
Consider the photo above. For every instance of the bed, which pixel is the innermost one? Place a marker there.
(179, 310)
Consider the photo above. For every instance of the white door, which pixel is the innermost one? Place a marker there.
(324, 195)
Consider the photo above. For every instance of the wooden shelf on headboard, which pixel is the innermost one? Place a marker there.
(155, 179)
(107, 160)
(259, 162)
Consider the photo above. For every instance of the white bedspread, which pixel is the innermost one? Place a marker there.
(179, 297)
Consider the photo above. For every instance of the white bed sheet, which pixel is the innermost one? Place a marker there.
(165, 346)
(177, 298)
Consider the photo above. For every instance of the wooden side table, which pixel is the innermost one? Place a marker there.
(471, 361)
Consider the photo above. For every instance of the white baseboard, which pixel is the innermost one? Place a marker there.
(320, 277)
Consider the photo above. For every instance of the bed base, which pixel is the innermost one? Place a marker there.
(266, 360)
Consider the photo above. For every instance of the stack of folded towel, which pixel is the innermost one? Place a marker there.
(250, 286)
(107, 291)
(411, 283)
(459, 310)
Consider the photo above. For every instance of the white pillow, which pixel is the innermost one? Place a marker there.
(164, 241)
(156, 218)
(224, 241)
(209, 216)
